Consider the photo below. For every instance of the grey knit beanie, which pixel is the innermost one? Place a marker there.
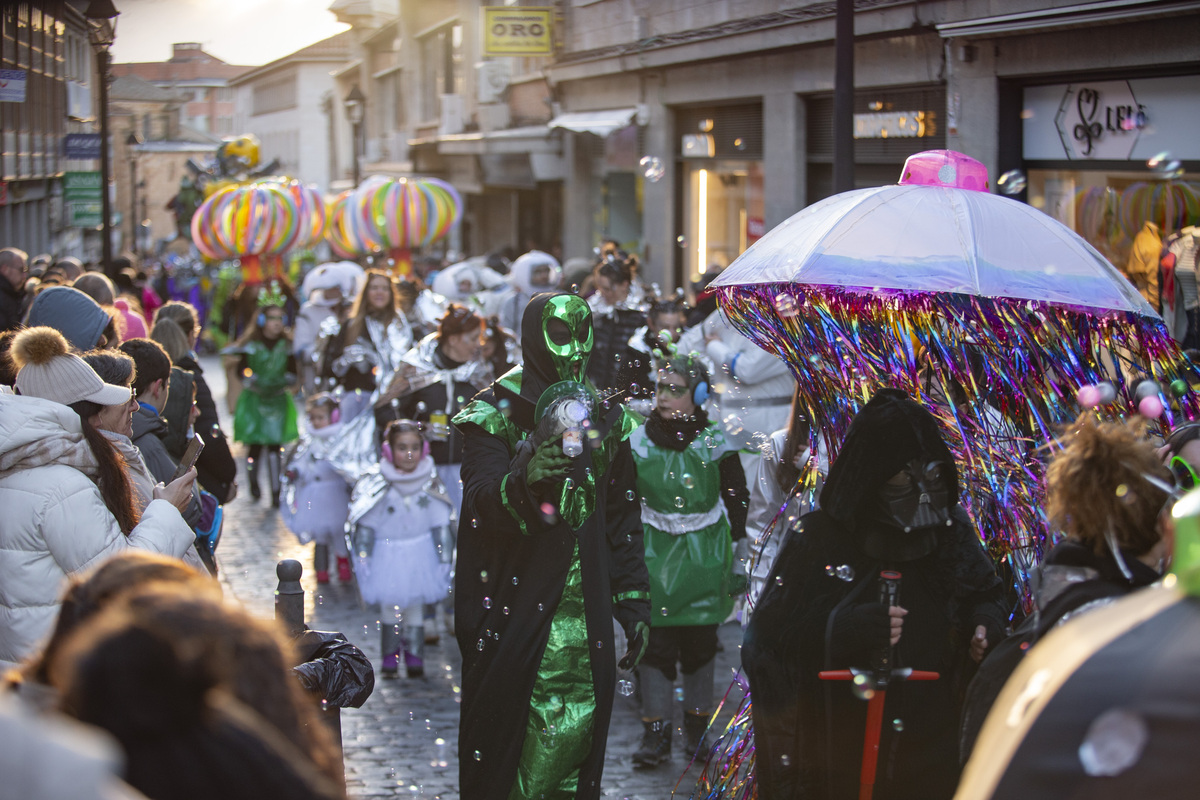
(70, 312)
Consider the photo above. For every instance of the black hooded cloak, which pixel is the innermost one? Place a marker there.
(513, 562)
(809, 733)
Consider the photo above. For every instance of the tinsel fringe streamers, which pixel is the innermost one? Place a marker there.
(728, 772)
(1013, 366)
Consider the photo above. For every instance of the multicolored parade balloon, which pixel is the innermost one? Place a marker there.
(260, 220)
(394, 217)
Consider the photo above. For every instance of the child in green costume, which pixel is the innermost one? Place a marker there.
(261, 376)
(686, 469)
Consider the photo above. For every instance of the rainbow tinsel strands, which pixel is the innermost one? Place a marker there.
(1012, 367)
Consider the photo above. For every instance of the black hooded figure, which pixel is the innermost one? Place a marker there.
(890, 502)
(545, 562)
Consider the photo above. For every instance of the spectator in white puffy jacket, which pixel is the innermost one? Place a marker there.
(64, 489)
(529, 274)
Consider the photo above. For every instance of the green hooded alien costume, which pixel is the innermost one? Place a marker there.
(546, 559)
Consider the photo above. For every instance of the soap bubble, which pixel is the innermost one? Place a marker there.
(679, 502)
(652, 168)
(898, 725)
(487, 602)
(1012, 182)
(681, 240)
(688, 481)
(862, 687)
(625, 688)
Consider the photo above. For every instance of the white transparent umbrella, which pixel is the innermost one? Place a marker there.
(932, 233)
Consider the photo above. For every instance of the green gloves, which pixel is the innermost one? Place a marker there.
(638, 638)
(547, 464)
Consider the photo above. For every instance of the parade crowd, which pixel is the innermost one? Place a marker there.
(574, 476)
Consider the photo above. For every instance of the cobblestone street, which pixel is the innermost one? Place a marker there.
(403, 741)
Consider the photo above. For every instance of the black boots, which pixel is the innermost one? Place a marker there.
(656, 745)
(273, 458)
(694, 727)
(252, 477)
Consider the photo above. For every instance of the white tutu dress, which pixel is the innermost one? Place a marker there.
(315, 495)
(395, 519)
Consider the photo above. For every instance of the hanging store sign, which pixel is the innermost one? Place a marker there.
(81, 191)
(12, 86)
(890, 125)
(517, 31)
(81, 145)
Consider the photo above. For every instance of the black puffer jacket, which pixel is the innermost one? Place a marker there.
(809, 733)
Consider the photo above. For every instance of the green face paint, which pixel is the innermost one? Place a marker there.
(567, 330)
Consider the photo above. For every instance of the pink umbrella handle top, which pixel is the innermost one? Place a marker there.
(944, 168)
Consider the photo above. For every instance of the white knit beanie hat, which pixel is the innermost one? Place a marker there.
(47, 369)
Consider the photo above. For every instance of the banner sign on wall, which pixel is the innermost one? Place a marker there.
(517, 31)
(1130, 120)
(12, 86)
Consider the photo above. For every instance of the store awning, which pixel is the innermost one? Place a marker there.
(1041, 19)
(530, 139)
(601, 123)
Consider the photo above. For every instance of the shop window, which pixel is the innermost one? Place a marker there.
(1109, 208)
(892, 125)
(736, 131)
(724, 214)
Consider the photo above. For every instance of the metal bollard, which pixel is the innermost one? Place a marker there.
(289, 597)
(289, 611)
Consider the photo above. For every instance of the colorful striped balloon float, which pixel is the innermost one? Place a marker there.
(260, 220)
(393, 216)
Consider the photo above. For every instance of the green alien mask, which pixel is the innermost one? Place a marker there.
(567, 330)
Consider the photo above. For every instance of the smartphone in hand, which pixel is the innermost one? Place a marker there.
(195, 446)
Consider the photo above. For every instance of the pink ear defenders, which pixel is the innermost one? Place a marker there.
(335, 415)
(387, 449)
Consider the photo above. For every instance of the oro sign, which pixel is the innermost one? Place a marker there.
(517, 31)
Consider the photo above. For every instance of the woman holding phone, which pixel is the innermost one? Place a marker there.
(65, 488)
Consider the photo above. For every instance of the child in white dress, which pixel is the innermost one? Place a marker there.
(400, 523)
(316, 496)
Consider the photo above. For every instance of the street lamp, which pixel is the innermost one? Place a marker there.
(101, 16)
(131, 144)
(356, 105)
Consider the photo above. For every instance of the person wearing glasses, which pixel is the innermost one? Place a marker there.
(1108, 492)
(694, 501)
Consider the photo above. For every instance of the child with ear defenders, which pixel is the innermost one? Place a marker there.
(260, 381)
(316, 497)
(399, 524)
(694, 501)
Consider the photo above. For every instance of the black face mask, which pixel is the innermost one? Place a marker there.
(917, 497)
